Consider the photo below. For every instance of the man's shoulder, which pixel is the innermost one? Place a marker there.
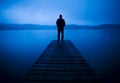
(62, 19)
(58, 20)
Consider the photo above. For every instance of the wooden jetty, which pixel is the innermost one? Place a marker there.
(61, 62)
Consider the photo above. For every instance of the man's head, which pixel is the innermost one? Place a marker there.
(60, 16)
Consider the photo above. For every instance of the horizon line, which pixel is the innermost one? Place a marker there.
(66, 24)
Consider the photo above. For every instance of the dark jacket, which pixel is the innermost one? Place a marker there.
(60, 24)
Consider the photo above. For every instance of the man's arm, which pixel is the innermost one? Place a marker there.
(57, 22)
(64, 22)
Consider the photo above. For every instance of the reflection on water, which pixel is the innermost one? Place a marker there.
(19, 49)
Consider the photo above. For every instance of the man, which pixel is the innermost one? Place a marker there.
(60, 27)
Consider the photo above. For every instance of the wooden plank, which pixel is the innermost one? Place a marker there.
(61, 62)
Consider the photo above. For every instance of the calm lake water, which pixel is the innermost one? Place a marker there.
(19, 49)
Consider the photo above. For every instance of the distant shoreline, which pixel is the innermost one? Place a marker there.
(53, 27)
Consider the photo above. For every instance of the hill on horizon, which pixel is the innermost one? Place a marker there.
(52, 27)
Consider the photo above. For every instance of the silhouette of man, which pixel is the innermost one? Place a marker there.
(60, 27)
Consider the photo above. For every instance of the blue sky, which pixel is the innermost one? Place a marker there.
(45, 12)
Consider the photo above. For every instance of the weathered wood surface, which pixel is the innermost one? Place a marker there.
(61, 62)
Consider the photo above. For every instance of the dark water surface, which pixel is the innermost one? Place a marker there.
(19, 49)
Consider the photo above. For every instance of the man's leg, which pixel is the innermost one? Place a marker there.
(62, 35)
(58, 35)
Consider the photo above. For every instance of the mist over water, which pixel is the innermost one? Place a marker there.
(19, 49)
